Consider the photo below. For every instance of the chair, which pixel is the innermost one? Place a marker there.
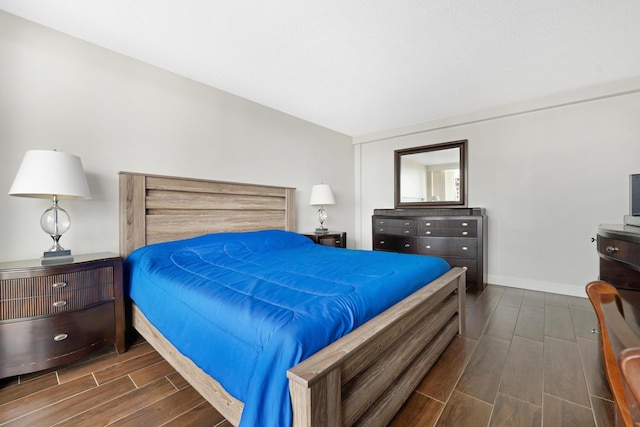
(620, 352)
(630, 367)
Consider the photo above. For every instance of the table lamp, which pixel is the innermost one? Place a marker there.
(322, 195)
(52, 174)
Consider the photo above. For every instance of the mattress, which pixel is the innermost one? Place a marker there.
(246, 307)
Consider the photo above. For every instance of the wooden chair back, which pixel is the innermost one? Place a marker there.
(620, 351)
(630, 367)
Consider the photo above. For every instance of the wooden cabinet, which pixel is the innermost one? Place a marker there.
(54, 314)
(336, 239)
(459, 235)
(619, 252)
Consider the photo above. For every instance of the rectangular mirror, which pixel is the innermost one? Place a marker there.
(431, 175)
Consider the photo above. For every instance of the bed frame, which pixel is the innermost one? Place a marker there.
(362, 379)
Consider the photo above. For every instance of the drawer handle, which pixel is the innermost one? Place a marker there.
(428, 246)
(464, 224)
(464, 233)
(612, 249)
(428, 232)
(427, 224)
(381, 230)
(382, 242)
(60, 337)
(464, 248)
(338, 242)
(407, 231)
(380, 222)
(59, 285)
(406, 245)
(406, 224)
(59, 303)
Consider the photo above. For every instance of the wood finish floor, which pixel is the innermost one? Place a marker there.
(527, 359)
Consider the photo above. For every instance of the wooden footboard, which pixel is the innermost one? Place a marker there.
(209, 388)
(365, 377)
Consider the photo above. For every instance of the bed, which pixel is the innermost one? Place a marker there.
(362, 378)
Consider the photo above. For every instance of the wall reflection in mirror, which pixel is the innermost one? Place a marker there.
(431, 175)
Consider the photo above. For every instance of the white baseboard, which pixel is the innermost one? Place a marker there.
(533, 285)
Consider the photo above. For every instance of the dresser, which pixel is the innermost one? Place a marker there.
(619, 253)
(54, 314)
(336, 239)
(459, 235)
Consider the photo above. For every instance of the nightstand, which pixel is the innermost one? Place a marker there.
(54, 314)
(337, 239)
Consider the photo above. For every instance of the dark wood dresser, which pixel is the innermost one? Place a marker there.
(459, 235)
(54, 314)
(619, 252)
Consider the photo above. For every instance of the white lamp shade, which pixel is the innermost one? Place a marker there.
(321, 194)
(44, 173)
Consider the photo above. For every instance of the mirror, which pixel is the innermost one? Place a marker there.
(431, 176)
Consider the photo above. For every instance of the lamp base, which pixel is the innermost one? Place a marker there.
(56, 257)
(322, 230)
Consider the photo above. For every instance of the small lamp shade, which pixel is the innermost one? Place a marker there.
(44, 174)
(52, 175)
(321, 195)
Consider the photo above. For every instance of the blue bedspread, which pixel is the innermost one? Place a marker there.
(245, 307)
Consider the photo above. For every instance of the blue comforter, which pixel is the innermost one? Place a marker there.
(245, 307)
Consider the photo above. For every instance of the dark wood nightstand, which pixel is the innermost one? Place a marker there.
(54, 314)
(337, 239)
(619, 253)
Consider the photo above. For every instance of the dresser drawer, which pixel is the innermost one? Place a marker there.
(471, 264)
(41, 341)
(391, 222)
(385, 242)
(453, 247)
(42, 295)
(447, 223)
(332, 241)
(448, 232)
(619, 250)
(54, 303)
(55, 284)
(396, 231)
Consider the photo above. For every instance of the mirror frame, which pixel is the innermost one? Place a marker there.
(462, 145)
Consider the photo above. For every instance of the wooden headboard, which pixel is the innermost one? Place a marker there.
(156, 208)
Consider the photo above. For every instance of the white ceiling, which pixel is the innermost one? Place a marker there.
(364, 66)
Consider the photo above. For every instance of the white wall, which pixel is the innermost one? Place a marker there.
(117, 113)
(547, 178)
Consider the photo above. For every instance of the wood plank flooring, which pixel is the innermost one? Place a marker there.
(527, 359)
